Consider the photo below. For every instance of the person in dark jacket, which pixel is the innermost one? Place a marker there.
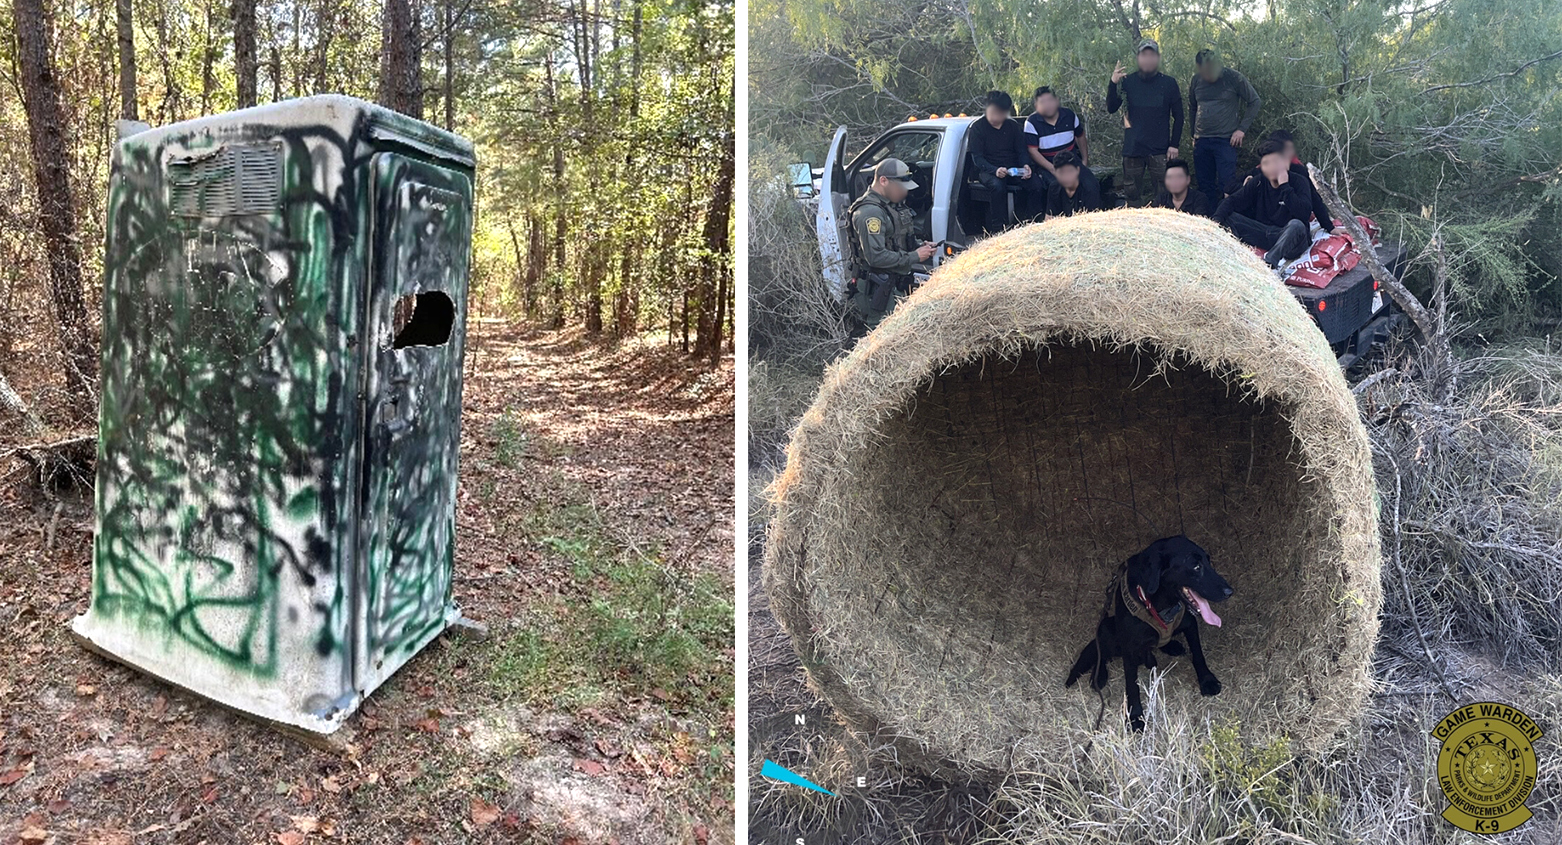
(1270, 213)
(1299, 174)
(1070, 194)
(1221, 107)
(1001, 157)
(1150, 100)
(1176, 194)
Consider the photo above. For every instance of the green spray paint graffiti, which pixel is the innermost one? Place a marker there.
(276, 484)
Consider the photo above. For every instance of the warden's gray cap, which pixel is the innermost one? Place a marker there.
(1148, 44)
(894, 168)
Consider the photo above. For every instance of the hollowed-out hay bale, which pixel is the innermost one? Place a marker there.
(969, 476)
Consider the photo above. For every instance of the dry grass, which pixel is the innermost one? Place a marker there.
(792, 316)
(1472, 574)
(1374, 783)
(969, 475)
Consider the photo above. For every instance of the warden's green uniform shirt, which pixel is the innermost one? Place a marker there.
(882, 231)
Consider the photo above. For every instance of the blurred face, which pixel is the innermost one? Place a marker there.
(1290, 150)
(893, 190)
(1068, 176)
(1047, 105)
(996, 115)
(1274, 164)
(1176, 180)
(1210, 70)
(1149, 60)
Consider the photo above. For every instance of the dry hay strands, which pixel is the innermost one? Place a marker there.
(969, 476)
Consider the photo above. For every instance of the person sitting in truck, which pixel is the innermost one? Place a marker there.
(1052, 129)
(1070, 195)
(1176, 194)
(999, 154)
(1299, 174)
(884, 249)
(1271, 212)
(1150, 100)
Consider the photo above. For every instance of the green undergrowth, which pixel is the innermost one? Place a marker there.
(621, 624)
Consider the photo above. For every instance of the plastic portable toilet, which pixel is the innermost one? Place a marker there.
(284, 307)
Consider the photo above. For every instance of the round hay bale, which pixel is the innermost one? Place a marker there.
(970, 475)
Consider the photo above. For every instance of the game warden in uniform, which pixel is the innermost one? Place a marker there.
(883, 247)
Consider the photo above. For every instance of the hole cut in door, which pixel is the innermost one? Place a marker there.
(423, 319)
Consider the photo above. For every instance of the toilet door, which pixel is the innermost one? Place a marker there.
(420, 252)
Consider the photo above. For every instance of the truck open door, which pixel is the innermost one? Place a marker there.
(832, 220)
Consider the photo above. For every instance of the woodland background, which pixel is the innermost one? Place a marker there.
(595, 508)
(1446, 115)
(603, 131)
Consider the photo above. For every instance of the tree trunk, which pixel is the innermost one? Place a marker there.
(519, 288)
(561, 230)
(624, 316)
(11, 401)
(325, 31)
(208, 81)
(127, 59)
(683, 320)
(245, 61)
(718, 332)
(401, 59)
(56, 202)
(276, 74)
(536, 262)
(717, 243)
(172, 99)
(596, 270)
(561, 226)
(450, 64)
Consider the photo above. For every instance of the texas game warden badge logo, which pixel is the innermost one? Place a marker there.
(1486, 766)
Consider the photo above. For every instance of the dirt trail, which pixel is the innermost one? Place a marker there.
(592, 478)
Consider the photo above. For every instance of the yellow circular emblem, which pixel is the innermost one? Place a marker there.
(1486, 766)
(874, 226)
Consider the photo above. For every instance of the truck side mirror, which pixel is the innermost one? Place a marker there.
(802, 174)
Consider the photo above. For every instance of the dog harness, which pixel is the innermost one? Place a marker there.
(1139, 605)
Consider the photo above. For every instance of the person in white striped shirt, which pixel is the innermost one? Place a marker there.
(1052, 129)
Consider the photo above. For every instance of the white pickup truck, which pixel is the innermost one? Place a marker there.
(949, 206)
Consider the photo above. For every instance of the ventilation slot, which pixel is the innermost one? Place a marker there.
(232, 180)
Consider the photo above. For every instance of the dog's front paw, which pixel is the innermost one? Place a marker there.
(1209, 685)
(1136, 722)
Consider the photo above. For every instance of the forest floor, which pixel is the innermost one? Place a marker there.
(595, 541)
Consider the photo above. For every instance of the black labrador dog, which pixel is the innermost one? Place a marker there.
(1171, 585)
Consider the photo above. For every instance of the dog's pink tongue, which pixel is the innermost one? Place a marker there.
(1205, 611)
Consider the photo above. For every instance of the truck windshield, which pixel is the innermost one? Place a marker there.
(918, 149)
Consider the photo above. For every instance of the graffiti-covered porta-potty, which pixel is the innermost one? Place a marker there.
(284, 306)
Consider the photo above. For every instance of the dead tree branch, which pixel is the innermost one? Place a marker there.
(12, 401)
(1515, 72)
(1428, 323)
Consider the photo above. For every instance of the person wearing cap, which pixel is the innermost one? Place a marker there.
(1070, 195)
(883, 248)
(1152, 121)
(1221, 107)
(997, 146)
